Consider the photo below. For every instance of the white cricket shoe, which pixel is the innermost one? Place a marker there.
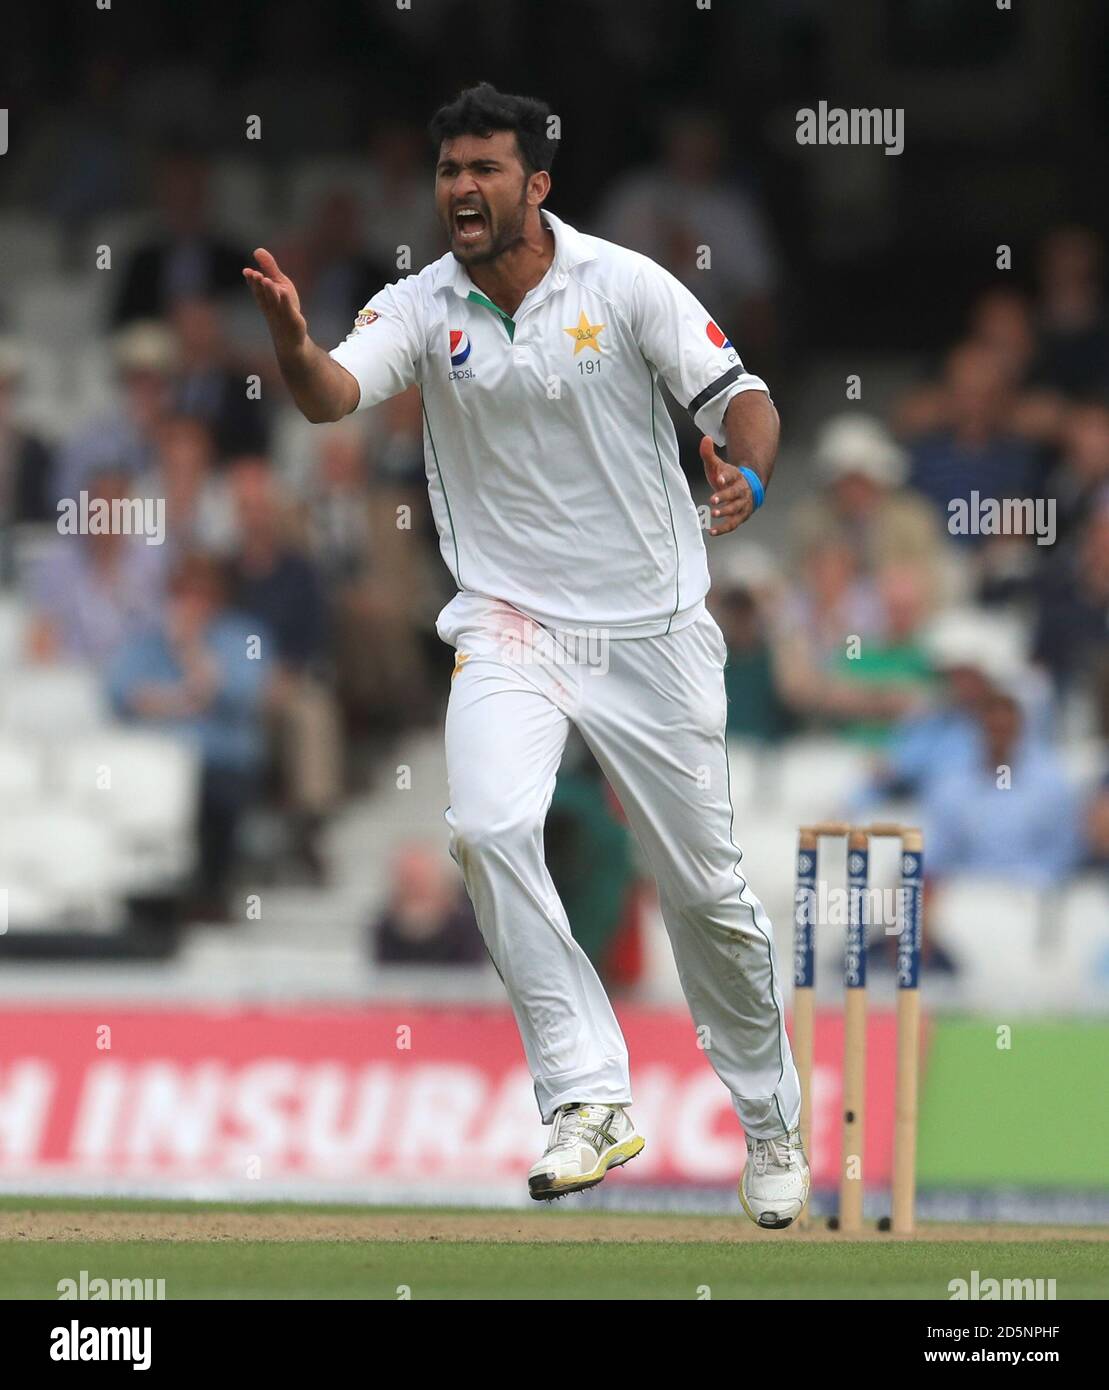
(775, 1183)
(586, 1141)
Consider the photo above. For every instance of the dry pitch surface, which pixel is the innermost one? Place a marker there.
(524, 1227)
(289, 1252)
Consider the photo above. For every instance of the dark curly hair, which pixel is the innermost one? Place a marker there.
(482, 109)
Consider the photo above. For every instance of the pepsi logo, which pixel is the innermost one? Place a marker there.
(459, 347)
(716, 336)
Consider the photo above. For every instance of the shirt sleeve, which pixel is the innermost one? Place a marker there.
(680, 340)
(384, 349)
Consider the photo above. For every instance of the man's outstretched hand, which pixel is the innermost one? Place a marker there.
(278, 300)
(732, 500)
(322, 390)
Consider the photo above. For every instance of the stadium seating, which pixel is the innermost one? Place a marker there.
(144, 787)
(61, 870)
(22, 779)
(60, 311)
(996, 934)
(51, 700)
(29, 245)
(1081, 952)
(13, 621)
(815, 775)
(92, 813)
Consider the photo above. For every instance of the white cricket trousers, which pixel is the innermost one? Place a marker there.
(652, 711)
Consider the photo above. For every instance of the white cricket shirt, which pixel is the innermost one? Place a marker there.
(552, 463)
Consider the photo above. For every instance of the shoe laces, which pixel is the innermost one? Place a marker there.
(575, 1124)
(771, 1153)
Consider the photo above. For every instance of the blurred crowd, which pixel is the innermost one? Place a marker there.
(973, 660)
(950, 652)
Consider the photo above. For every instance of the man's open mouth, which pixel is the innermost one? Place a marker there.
(469, 224)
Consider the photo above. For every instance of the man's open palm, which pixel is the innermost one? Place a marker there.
(278, 300)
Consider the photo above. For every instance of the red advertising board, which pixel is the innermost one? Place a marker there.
(385, 1099)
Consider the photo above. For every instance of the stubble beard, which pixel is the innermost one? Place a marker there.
(510, 235)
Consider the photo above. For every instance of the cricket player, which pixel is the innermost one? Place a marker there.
(568, 527)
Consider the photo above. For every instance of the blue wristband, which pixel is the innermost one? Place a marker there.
(757, 489)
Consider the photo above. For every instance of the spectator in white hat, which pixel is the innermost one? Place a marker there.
(125, 440)
(974, 655)
(1010, 811)
(863, 503)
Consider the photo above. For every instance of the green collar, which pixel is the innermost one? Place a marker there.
(509, 323)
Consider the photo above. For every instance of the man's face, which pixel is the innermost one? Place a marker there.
(482, 194)
(968, 686)
(856, 494)
(1001, 721)
(147, 394)
(976, 384)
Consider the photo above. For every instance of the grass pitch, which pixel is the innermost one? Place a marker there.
(253, 1251)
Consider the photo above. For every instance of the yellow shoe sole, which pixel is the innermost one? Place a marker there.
(544, 1189)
